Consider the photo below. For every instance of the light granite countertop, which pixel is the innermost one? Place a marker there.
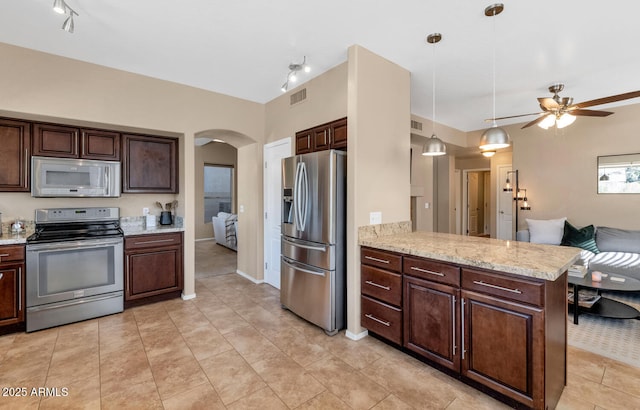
(14, 239)
(140, 230)
(546, 262)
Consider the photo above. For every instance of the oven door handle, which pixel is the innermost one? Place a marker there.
(73, 302)
(96, 243)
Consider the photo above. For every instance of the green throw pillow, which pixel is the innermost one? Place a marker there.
(580, 238)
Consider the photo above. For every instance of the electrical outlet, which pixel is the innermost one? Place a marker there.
(375, 218)
(145, 211)
(426, 205)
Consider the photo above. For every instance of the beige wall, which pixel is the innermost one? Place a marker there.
(326, 101)
(379, 143)
(558, 169)
(62, 89)
(213, 153)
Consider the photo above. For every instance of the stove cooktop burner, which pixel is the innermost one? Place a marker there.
(59, 232)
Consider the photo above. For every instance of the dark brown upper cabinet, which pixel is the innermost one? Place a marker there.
(15, 154)
(332, 135)
(63, 141)
(149, 164)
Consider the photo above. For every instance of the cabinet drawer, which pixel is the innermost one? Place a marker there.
(382, 319)
(381, 259)
(431, 270)
(381, 284)
(153, 240)
(504, 286)
(11, 253)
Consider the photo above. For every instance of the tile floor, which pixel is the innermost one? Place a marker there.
(233, 347)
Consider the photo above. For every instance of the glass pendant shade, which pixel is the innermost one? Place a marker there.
(434, 147)
(488, 154)
(549, 121)
(565, 120)
(494, 138)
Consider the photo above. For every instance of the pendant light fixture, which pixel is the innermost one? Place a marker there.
(434, 145)
(293, 73)
(494, 137)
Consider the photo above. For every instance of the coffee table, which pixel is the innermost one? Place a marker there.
(605, 307)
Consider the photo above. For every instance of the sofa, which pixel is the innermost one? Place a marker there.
(604, 249)
(225, 230)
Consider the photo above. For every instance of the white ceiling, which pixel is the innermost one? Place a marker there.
(243, 47)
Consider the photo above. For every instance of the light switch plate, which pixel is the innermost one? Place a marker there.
(426, 205)
(375, 218)
(241, 208)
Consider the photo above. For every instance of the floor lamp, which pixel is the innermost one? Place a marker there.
(520, 195)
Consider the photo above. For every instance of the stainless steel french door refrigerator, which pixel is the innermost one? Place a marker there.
(313, 265)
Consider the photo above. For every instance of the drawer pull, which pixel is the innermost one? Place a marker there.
(154, 241)
(489, 285)
(427, 271)
(378, 320)
(371, 258)
(377, 285)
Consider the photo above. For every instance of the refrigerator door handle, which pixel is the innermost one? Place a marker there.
(309, 247)
(304, 197)
(296, 197)
(301, 269)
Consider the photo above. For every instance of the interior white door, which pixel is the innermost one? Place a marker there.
(473, 203)
(273, 154)
(505, 205)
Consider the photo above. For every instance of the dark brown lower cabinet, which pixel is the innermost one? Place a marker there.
(503, 347)
(497, 331)
(153, 265)
(430, 321)
(12, 289)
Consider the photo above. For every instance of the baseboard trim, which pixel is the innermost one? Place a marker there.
(247, 276)
(356, 336)
(188, 297)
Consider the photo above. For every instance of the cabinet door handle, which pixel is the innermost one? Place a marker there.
(489, 285)
(329, 135)
(377, 285)
(453, 326)
(325, 137)
(77, 138)
(19, 288)
(427, 271)
(371, 258)
(1, 275)
(370, 316)
(462, 327)
(26, 167)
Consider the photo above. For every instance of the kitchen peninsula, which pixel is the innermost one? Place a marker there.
(490, 312)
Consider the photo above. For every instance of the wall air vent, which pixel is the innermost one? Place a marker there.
(298, 97)
(416, 125)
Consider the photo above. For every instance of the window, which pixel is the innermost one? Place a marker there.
(218, 190)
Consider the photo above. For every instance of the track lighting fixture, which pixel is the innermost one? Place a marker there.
(61, 7)
(293, 73)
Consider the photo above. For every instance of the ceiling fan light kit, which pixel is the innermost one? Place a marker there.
(494, 137)
(434, 145)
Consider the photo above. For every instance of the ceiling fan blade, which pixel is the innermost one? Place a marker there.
(590, 113)
(534, 122)
(512, 116)
(607, 100)
(548, 104)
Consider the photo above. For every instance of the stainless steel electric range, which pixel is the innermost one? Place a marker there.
(74, 266)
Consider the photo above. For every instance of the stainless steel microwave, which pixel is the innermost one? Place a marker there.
(70, 177)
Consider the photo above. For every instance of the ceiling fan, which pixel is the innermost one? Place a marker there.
(560, 111)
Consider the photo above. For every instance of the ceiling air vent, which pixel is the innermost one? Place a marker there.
(298, 97)
(416, 125)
